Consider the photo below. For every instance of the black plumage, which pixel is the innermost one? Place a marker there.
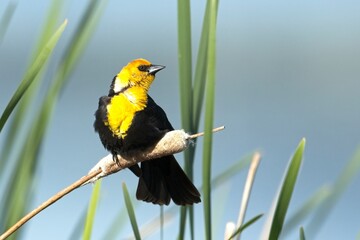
(160, 179)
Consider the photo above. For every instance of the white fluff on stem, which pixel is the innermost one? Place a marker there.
(173, 142)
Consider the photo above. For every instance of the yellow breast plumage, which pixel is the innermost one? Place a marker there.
(122, 109)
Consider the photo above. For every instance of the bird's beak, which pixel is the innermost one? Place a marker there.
(155, 68)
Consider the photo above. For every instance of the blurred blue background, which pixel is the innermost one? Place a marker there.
(285, 70)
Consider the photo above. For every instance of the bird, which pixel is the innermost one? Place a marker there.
(128, 119)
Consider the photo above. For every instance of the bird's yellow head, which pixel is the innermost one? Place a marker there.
(139, 72)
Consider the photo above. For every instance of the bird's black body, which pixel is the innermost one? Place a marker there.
(160, 179)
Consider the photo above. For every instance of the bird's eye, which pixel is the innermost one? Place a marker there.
(143, 68)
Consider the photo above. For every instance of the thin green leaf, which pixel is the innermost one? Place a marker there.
(50, 23)
(6, 18)
(77, 228)
(182, 223)
(309, 207)
(21, 115)
(209, 117)
(84, 30)
(153, 227)
(89, 221)
(200, 70)
(131, 212)
(351, 170)
(18, 192)
(302, 233)
(245, 225)
(286, 191)
(116, 225)
(230, 172)
(185, 62)
(185, 83)
(31, 74)
(191, 99)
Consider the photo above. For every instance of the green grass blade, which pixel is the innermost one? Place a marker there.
(185, 83)
(183, 214)
(286, 191)
(209, 118)
(50, 23)
(152, 227)
(198, 98)
(185, 63)
(245, 225)
(31, 74)
(116, 225)
(77, 230)
(73, 51)
(309, 207)
(6, 18)
(302, 233)
(351, 170)
(89, 221)
(346, 176)
(84, 30)
(229, 172)
(131, 212)
(22, 111)
(200, 70)
(17, 194)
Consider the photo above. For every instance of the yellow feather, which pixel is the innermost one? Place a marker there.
(122, 109)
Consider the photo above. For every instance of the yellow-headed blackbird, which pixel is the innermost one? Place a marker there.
(128, 119)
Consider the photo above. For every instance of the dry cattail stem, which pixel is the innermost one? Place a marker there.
(173, 142)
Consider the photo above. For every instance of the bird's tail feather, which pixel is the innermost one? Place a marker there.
(163, 179)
